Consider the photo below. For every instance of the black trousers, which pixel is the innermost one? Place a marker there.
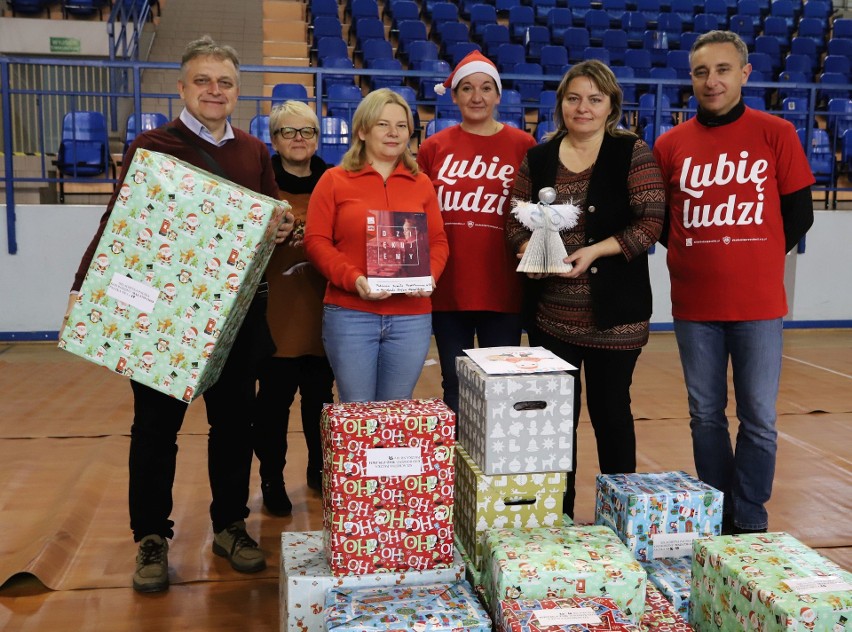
(608, 375)
(279, 380)
(158, 418)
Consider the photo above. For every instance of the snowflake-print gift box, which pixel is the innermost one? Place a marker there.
(517, 500)
(305, 578)
(518, 423)
(658, 514)
(388, 483)
(172, 276)
(766, 581)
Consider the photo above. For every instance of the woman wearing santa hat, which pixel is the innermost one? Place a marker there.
(472, 167)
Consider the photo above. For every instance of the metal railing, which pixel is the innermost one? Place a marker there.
(35, 94)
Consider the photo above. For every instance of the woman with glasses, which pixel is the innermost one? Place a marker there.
(294, 314)
(376, 341)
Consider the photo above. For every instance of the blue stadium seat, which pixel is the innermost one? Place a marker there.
(770, 46)
(399, 11)
(508, 56)
(615, 9)
(672, 92)
(842, 28)
(754, 102)
(597, 21)
(575, 42)
(341, 100)
(558, 21)
(839, 117)
(542, 8)
(579, 9)
(646, 112)
(511, 111)
(84, 148)
(529, 89)
(383, 80)
(546, 105)
(493, 37)
(445, 108)
(840, 46)
(543, 129)
(326, 8)
(421, 51)
(333, 139)
(799, 63)
(790, 77)
(686, 10)
(776, 27)
(639, 59)
(521, 18)
(452, 33)
(426, 85)
(368, 29)
(837, 63)
(784, 9)
(814, 29)
(615, 41)
(438, 124)
(332, 46)
(679, 61)
(459, 51)
(373, 49)
(820, 154)
(628, 90)
(333, 79)
(833, 79)
(705, 22)
(147, 121)
(537, 37)
(480, 16)
(795, 110)
(288, 91)
(634, 24)
(651, 9)
(409, 31)
(442, 13)
(553, 59)
(744, 26)
(29, 7)
(672, 26)
(259, 128)
(596, 52)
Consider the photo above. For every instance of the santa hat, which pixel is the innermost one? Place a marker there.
(473, 62)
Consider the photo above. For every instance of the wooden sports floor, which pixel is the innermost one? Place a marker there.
(67, 556)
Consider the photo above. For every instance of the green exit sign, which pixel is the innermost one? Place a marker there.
(64, 45)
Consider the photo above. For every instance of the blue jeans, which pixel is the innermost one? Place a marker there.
(455, 331)
(743, 474)
(375, 357)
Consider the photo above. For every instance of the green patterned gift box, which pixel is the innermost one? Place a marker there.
(767, 581)
(484, 502)
(672, 576)
(172, 276)
(562, 562)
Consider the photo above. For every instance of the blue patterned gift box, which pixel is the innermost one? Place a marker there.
(658, 514)
(672, 576)
(416, 608)
(767, 581)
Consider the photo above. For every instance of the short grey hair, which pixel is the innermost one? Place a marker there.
(721, 37)
(206, 46)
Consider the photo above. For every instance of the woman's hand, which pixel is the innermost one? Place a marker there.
(364, 291)
(422, 293)
(285, 227)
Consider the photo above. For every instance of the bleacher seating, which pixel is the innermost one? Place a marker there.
(288, 91)
(259, 128)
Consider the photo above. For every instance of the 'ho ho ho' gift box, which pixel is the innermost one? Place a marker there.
(172, 276)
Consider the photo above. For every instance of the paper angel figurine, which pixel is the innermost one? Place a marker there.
(545, 251)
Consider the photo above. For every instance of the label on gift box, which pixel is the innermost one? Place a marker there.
(135, 293)
(817, 584)
(672, 544)
(393, 462)
(567, 616)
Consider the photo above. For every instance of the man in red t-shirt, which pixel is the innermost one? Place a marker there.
(738, 191)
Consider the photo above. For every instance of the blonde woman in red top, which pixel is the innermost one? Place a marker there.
(376, 341)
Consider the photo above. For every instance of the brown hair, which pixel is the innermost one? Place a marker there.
(606, 82)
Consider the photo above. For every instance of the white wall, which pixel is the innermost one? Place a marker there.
(34, 282)
(31, 36)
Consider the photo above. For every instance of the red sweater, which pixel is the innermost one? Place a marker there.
(473, 176)
(336, 232)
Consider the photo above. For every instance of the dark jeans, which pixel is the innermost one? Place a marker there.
(279, 380)
(608, 376)
(158, 418)
(455, 331)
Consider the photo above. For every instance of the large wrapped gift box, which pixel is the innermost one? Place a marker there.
(658, 514)
(562, 562)
(767, 581)
(660, 615)
(305, 578)
(516, 423)
(571, 614)
(173, 275)
(441, 607)
(672, 576)
(515, 500)
(388, 478)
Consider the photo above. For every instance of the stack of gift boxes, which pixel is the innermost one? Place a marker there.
(172, 276)
(385, 557)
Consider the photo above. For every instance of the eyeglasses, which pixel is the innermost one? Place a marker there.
(290, 132)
